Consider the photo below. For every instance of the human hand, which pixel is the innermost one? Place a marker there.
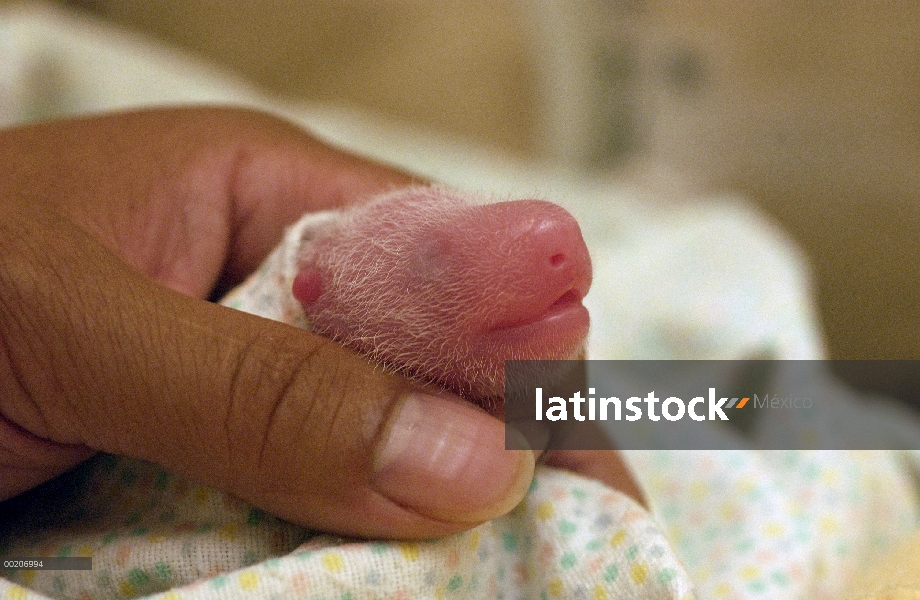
(113, 231)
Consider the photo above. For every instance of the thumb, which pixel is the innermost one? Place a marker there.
(94, 355)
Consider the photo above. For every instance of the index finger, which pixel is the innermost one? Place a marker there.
(187, 196)
(274, 183)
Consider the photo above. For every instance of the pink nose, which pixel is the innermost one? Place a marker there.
(537, 251)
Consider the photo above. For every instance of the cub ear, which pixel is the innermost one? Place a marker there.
(308, 282)
(308, 285)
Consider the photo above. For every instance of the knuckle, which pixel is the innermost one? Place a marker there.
(305, 396)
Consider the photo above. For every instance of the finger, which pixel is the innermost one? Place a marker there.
(274, 185)
(99, 356)
(187, 195)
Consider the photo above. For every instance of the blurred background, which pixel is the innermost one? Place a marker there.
(809, 108)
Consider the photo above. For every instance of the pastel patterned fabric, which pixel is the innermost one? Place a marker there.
(571, 538)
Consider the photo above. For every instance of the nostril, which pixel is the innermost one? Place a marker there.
(557, 259)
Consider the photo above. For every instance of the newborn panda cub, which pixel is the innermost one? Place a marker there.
(442, 288)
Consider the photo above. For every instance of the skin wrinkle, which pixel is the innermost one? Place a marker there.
(258, 371)
(205, 206)
(343, 417)
(330, 434)
(202, 417)
(204, 414)
(179, 399)
(15, 371)
(317, 422)
(236, 397)
(193, 365)
(153, 321)
(282, 374)
(22, 282)
(98, 301)
(242, 217)
(284, 398)
(117, 324)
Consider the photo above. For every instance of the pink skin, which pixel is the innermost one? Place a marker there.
(442, 289)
